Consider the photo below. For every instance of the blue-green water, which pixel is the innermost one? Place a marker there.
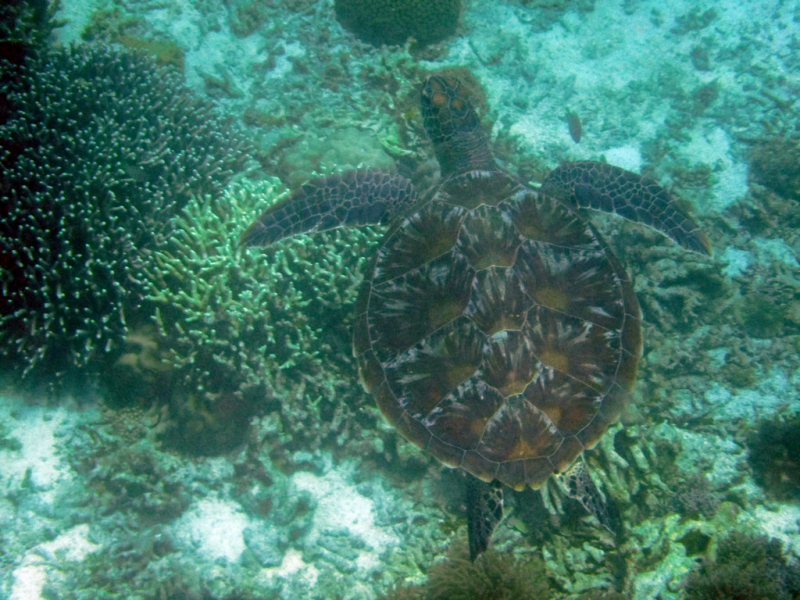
(221, 446)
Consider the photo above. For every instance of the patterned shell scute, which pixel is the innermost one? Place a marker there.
(502, 337)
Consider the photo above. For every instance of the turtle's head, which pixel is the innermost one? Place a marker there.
(453, 126)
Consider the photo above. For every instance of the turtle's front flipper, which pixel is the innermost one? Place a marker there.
(599, 186)
(484, 513)
(362, 197)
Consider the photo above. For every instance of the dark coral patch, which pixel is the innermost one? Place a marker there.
(390, 22)
(774, 456)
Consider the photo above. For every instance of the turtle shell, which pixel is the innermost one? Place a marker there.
(497, 331)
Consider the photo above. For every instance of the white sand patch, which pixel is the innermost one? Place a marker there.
(625, 157)
(781, 522)
(214, 528)
(31, 576)
(536, 133)
(37, 463)
(295, 568)
(340, 506)
(774, 250)
(714, 149)
(737, 261)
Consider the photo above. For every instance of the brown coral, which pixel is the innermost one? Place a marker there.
(775, 164)
(493, 575)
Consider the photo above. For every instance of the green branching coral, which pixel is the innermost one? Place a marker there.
(100, 149)
(241, 327)
(391, 22)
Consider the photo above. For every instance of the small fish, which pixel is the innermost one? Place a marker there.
(574, 124)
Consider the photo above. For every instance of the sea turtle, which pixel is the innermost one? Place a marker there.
(495, 328)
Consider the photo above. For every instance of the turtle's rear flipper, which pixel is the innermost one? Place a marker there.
(600, 186)
(361, 197)
(579, 486)
(484, 511)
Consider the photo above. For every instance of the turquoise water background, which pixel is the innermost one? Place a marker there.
(316, 496)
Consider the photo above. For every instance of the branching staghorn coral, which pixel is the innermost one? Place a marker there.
(243, 327)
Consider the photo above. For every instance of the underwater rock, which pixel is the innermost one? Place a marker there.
(342, 149)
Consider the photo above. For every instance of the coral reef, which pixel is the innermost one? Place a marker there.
(746, 566)
(394, 21)
(101, 149)
(694, 497)
(493, 576)
(774, 456)
(673, 89)
(125, 472)
(24, 28)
